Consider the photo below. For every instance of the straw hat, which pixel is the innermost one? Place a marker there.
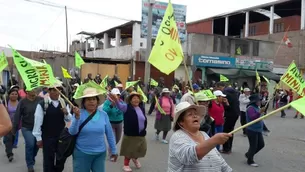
(201, 97)
(57, 84)
(183, 106)
(134, 93)
(120, 86)
(90, 92)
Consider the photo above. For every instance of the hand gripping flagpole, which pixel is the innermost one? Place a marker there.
(260, 119)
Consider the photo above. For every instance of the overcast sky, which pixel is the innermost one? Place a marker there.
(31, 26)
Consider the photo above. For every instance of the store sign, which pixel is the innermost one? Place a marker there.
(214, 61)
(254, 64)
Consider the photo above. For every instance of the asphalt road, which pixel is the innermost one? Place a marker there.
(284, 151)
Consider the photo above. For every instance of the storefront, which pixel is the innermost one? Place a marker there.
(238, 70)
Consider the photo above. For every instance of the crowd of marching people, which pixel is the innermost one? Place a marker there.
(200, 122)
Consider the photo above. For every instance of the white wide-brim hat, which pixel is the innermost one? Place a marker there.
(183, 106)
(57, 84)
(90, 92)
(165, 90)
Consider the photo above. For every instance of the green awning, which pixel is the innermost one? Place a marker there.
(268, 75)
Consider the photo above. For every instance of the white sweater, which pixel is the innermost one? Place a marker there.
(243, 102)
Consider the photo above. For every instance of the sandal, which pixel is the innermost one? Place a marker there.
(127, 169)
(137, 163)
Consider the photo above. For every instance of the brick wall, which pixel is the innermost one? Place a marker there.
(285, 55)
(262, 28)
(201, 27)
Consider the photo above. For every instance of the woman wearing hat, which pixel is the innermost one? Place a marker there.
(217, 111)
(189, 148)
(163, 122)
(90, 149)
(208, 123)
(254, 131)
(115, 115)
(134, 144)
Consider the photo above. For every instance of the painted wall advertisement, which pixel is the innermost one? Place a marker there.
(254, 64)
(158, 13)
(214, 61)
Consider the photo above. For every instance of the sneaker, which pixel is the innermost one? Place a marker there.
(295, 117)
(156, 137)
(136, 163)
(10, 158)
(164, 141)
(127, 169)
(302, 117)
(253, 164)
(225, 152)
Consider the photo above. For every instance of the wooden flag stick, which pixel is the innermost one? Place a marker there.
(189, 78)
(62, 95)
(260, 119)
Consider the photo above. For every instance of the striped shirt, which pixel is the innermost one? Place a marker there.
(183, 158)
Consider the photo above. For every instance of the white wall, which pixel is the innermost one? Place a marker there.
(136, 38)
(117, 53)
(180, 72)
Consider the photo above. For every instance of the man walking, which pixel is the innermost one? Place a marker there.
(231, 113)
(50, 117)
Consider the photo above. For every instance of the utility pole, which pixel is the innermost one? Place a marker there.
(148, 46)
(67, 43)
(67, 37)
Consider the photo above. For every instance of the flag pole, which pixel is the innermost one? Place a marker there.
(188, 77)
(260, 119)
(281, 43)
(70, 103)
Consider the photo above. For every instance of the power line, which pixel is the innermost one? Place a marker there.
(50, 4)
(50, 26)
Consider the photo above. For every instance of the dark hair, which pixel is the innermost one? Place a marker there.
(13, 90)
(180, 119)
(84, 99)
(220, 84)
(131, 96)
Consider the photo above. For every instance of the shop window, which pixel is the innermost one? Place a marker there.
(278, 27)
(255, 48)
(241, 47)
(252, 30)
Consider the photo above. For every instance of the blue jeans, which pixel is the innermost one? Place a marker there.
(218, 129)
(31, 148)
(83, 162)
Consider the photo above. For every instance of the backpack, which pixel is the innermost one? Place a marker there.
(46, 104)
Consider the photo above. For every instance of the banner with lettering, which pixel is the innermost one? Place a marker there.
(167, 53)
(294, 79)
(3, 62)
(33, 73)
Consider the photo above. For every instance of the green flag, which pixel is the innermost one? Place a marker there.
(116, 83)
(3, 62)
(139, 90)
(33, 73)
(153, 82)
(131, 84)
(159, 107)
(223, 78)
(299, 105)
(80, 90)
(104, 82)
(78, 60)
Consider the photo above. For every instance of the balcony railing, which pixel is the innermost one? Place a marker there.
(115, 53)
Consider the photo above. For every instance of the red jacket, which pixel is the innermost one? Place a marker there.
(217, 111)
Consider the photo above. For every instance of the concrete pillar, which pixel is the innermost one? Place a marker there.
(271, 22)
(303, 15)
(247, 25)
(106, 41)
(117, 37)
(95, 45)
(86, 51)
(227, 26)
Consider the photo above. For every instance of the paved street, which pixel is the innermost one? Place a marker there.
(284, 151)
